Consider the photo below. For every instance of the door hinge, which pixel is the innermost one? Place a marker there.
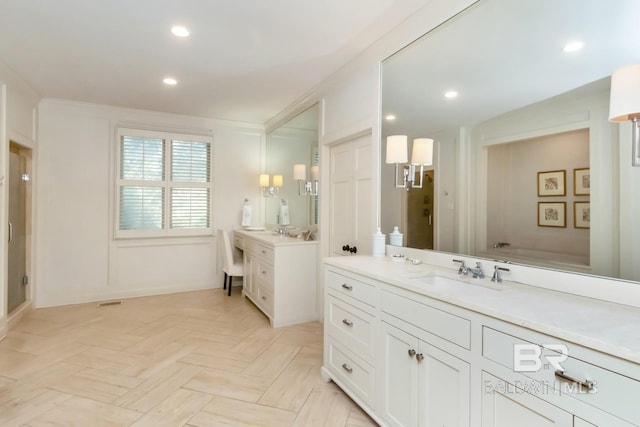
(25, 280)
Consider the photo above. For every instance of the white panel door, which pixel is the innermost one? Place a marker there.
(351, 209)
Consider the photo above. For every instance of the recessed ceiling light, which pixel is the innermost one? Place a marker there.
(390, 117)
(573, 46)
(451, 94)
(180, 31)
(170, 81)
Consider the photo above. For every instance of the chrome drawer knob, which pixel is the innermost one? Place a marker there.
(412, 352)
(419, 357)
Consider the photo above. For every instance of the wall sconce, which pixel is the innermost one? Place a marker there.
(306, 188)
(625, 103)
(421, 155)
(270, 190)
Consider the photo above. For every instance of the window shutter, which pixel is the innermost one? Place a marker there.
(142, 159)
(141, 208)
(190, 161)
(190, 207)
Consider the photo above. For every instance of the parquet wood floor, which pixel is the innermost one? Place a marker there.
(192, 359)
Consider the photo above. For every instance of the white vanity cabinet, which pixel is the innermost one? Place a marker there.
(421, 384)
(414, 356)
(279, 276)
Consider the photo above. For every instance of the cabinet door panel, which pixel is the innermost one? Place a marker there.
(443, 389)
(400, 377)
(504, 405)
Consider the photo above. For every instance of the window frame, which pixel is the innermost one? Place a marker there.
(167, 184)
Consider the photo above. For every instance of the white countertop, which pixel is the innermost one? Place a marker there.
(607, 327)
(271, 238)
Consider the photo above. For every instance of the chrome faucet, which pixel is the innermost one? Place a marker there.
(476, 272)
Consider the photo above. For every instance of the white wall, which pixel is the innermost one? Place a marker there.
(79, 260)
(18, 121)
(512, 199)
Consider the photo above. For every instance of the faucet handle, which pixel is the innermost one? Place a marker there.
(463, 268)
(496, 273)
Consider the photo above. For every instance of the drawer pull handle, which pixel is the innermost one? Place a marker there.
(347, 322)
(347, 287)
(589, 385)
(264, 298)
(419, 357)
(412, 352)
(347, 368)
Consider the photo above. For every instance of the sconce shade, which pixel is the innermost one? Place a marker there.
(315, 172)
(396, 149)
(625, 93)
(300, 172)
(277, 180)
(264, 180)
(422, 153)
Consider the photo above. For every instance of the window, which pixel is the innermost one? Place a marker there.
(164, 184)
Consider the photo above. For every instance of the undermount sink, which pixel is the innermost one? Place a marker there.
(446, 282)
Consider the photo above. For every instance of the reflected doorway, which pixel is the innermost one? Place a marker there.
(19, 226)
(421, 213)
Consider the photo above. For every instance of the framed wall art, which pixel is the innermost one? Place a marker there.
(552, 214)
(552, 183)
(581, 215)
(581, 182)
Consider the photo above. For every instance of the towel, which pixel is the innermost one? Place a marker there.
(246, 214)
(284, 212)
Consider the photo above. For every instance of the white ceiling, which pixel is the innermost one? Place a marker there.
(503, 54)
(245, 60)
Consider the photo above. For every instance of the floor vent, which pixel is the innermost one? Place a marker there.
(106, 303)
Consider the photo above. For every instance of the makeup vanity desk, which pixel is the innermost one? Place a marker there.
(279, 275)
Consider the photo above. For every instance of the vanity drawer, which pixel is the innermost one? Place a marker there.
(260, 251)
(611, 392)
(265, 299)
(263, 273)
(445, 325)
(356, 374)
(345, 285)
(351, 326)
(238, 241)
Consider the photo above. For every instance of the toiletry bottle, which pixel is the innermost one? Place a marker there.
(395, 237)
(378, 243)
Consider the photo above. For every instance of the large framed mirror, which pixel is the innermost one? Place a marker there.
(294, 143)
(526, 165)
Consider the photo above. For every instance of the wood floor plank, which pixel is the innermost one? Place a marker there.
(175, 410)
(81, 412)
(21, 410)
(315, 413)
(189, 359)
(158, 387)
(224, 412)
(97, 385)
(292, 387)
(229, 384)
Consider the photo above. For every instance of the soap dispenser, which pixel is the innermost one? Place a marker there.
(395, 238)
